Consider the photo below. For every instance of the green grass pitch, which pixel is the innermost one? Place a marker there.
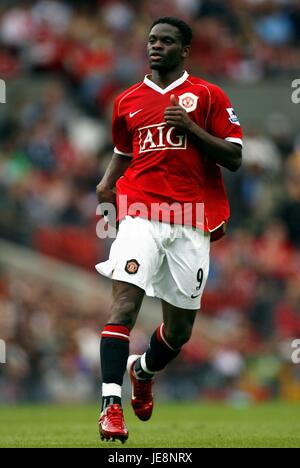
(172, 426)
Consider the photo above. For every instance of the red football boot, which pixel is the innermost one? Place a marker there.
(112, 425)
(142, 395)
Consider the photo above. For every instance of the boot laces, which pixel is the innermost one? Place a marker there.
(143, 391)
(115, 415)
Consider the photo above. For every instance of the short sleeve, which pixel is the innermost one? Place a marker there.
(223, 121)
(122, 138)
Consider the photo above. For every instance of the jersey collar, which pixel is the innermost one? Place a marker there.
(172, 86)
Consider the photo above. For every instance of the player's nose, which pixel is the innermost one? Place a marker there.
(156, 45)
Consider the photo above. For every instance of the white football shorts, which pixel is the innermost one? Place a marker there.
(170, 262)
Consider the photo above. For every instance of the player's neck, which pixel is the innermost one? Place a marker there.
(164, 79)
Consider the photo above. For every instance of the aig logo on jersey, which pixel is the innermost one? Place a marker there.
(161, 137)
(233, 118)
(188, 101)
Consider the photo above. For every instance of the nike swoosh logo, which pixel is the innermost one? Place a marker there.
(132, 114)
(195, 297)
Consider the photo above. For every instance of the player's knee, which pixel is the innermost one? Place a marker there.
(178, 337)
(124, 313)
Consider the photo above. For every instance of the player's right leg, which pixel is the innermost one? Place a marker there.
(114, 350)
(134, 259)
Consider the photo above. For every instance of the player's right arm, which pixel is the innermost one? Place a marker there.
(122, 156)
(106, 192)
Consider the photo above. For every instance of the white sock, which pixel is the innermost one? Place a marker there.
(144, 365)
(111, 389)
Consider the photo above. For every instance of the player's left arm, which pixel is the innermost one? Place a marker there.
(226, 153)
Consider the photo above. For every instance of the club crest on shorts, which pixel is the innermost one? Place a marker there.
(132, 266)
(188, 101)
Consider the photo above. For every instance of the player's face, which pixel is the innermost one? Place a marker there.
(165, 49)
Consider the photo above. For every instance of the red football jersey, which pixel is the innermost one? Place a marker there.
(167, 166)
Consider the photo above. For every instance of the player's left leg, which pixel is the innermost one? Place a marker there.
(165, 345)
(180, 284)
(178, 325)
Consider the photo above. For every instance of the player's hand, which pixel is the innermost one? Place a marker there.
(106, 195)
(107, 203)
(176, 116)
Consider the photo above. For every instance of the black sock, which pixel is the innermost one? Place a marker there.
(158, 355)
(140, 373)
(110, 400)
(114, 352)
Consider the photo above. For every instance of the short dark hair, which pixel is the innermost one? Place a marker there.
(184, 29)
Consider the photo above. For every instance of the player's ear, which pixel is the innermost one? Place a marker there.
(186, 51)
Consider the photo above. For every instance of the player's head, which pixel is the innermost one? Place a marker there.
(169, 43)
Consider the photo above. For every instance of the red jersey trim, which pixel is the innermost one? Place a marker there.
(210, 99)
(218, 232)
(130, 92)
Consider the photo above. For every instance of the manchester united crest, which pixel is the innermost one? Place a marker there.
(188, 101)
(132, 266)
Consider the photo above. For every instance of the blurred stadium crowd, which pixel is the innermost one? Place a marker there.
(64, 62)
